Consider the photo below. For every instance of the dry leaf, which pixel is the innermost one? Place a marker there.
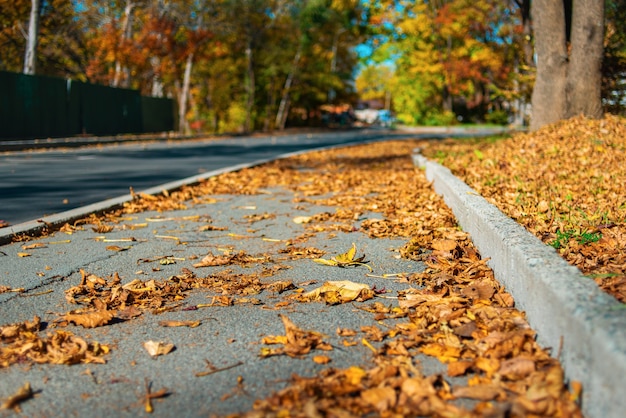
(90, 319)
(155, 348)
(337, 292)
(190, 324)
(23, 394)
(321, 359)
(446, 245)
(382, 399)
(479, 392)
(33, 246)
(345, 260)
(302, 219)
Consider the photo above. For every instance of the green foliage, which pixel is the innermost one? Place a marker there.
(583, 237)
(445, 118)
(497, 117)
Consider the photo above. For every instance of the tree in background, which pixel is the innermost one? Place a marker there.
(57, 47)
(376, 82)
(569, 40)
(452, 57)
(30, 58)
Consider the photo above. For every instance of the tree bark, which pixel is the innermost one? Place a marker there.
(250, 87)
(567, 84)
(548, 98)
(126, 24)
(584, 78)
(30, 57)
(281, 115)
(184, 95)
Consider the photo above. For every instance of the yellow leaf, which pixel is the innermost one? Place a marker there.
(354, 375)
(444, 353)
(302, 219)
(321, 359)
(347, 257)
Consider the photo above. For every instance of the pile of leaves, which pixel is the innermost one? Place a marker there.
(21, 343)
(565, 183)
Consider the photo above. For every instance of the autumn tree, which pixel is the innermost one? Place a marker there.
(376, 82)
(450, 56)
(569, 48)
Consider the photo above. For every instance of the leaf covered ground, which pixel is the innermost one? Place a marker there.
(452, 310)
(565, 183)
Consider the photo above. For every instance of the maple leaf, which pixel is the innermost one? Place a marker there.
(345, 260)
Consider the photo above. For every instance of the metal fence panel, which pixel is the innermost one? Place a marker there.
(41, 107)
(32, 106)
(157, 114)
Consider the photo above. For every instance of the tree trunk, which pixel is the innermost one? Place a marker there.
(126, 24)
(567, 85)
(548, 98)
(584, 78)
(281, 115)
(30, 57)
(250, 87)
(184, 95)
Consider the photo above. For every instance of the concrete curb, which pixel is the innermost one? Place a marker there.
(583, 325)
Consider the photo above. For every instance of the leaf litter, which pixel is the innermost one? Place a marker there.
(564, 183)
(454, 310)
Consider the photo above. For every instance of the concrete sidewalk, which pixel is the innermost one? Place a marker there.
(164, 245)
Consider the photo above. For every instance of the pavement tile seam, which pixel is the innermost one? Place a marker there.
(584, 326)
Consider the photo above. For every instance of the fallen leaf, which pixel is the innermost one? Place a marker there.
(296, 342)
(345, 260)
(33, 246)
(446, 245)
(382, 399)
(190, 324)
(302, 219)
(90, 319)
(321, 359)
(336, 292)
(23, 394)
(479, 392)
(155, 348)
(116, 248)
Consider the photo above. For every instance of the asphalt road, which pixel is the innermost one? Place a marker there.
(34, 184)
(39, 183)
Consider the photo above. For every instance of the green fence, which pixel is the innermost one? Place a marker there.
(45, 107)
